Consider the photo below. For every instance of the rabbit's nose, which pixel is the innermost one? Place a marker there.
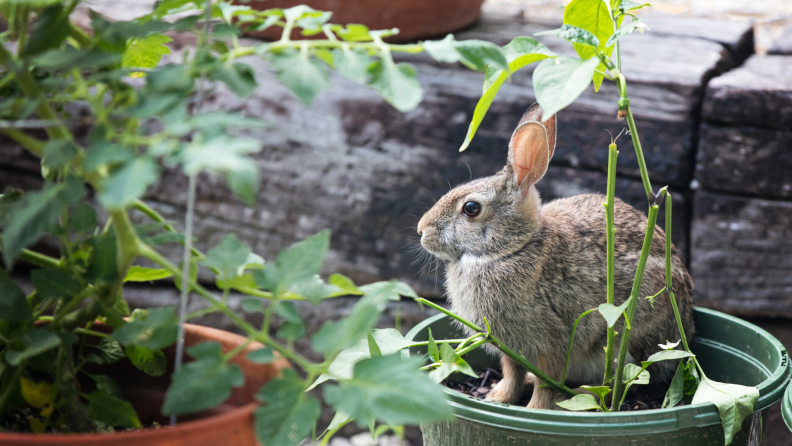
(422, 224)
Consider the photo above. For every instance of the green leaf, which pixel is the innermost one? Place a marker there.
(676, 391)
(573, 34)
(288, 414)
(600, 391)
(68, 58)
(558, 82)
(102, 265)
(635, 374)
(666, 355)
(336, 336)
(34, 342)
(103, 153)
(227, 257)
(261, 356)
(353, 32)
(442, 50)
(397, 84)
(82, 218)
(313, 289)
(13, 305)
(239, 78)
(451, 362)
(734, 403)
(580, 402)
(692, 378)
(245, 184)
(432, 351)
(520, 52)
(291, 331)
(49, 30)
(150, 362)
(107, 385)
(153, 329)
(203, 383)
(220, 154)
(391, 390)
(389, 341)
(107, 351)
(29, 215)
(112, 410)
(54, 283)
(145, 52)
(58, 153)
(374, 349)
(141, 274)
(632, 6)
(594, 17)
(339, 419)
(303, 75)
(345, 285)
(390, 290)
(478, 55)
(128, 183)
(352, 64)
(612, 313)
(302, 261)
(626, 28)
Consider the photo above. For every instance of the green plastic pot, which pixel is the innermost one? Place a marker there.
(786, 407)
(729, 350)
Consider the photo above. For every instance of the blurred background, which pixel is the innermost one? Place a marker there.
(711, 88)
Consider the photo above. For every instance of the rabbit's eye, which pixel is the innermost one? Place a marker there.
(471, 208)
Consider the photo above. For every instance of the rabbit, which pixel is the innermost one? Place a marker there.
(532, 269)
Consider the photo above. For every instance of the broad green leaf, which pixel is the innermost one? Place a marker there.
(336, 336)
(390, 290)
(106, 351)
(112, 410)
(314, 289)
(351, 64)
(203, 383)
(297, 12)
(102, 265)
(82, 218)
(220, 154)
(311, 24)
(33, 343)
(288, 413)
(68, 58)
(390, 390)
(478, 55)
(432, 350)
(239, 78)
(442, 50)
(54, 283)
(374, 349)
(676, 391)
(37, 394)
(103, 153)
(128, 183)
(632, 6)
(13, 305)
(302, 261)
(594, 17)
(520, 52)
(734, 403)
(339, 419)
(227, 257)
(141, 274)
(245, 184)
(600, 391)
(229, 11)
(389, 341)
(450, 363)
(353, 32)
(397, 84)
(624, 29)
(612, 313)
(58, 153)
(580, 402)
(301, 74)
(261, 356)
(665, 355)
(252, 305)
(574, 35)
(35, 211)
(153, 329)
(636, 374)
(558, 82)
(107, 385)
(145, 52)
(691, 377)
(345, 285)
(150, 362)
(291, 331)
(49, 30)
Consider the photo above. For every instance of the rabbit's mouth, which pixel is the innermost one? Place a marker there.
(437, 250)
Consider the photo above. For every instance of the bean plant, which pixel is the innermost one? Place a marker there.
(71, 98)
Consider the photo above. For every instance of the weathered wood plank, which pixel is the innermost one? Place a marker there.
(745, 160)
(759, 93)
(741, 254)
(736, 36)
(783, 44)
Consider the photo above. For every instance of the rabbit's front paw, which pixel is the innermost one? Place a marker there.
(503, 393)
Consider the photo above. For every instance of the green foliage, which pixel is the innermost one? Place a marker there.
(145, 52)
(580, 403)
(450, 363)
(558, 82)
(111, 410)
(734, 403)
(287, 414)
(397, 84)
(152, 329)
(594, 17)
(13, 306)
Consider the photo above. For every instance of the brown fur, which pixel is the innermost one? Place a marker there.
(532, 269)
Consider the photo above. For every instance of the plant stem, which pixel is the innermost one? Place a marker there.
(138, 205)
(630, 313)
(506, 350)
(572, 338)
(34, 145)
(12, 383)
(323, 43)
(39, 259)
(610, 235)
(669, 285)
(639, 152)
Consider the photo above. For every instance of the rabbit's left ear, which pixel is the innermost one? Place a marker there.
(531, 147)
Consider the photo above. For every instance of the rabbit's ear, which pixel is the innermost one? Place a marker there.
(529, 154)
(534, 113)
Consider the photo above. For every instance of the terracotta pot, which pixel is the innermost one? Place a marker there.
(416, 19)
(229, 424)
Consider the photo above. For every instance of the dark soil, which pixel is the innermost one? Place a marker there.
(639, 398)
(18, 421)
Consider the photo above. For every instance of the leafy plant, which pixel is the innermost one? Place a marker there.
(51, 347)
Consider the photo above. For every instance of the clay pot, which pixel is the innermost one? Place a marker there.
(231, 423)
(416, 19)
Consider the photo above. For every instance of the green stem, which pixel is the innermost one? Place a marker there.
(11, 385)
(572, 338)
(639, 151)
(154, 215)
(610, 235)
(669, 285)
(506, 350)
(630, 313)
(323, 43)
(34, 145)
(39, 259)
